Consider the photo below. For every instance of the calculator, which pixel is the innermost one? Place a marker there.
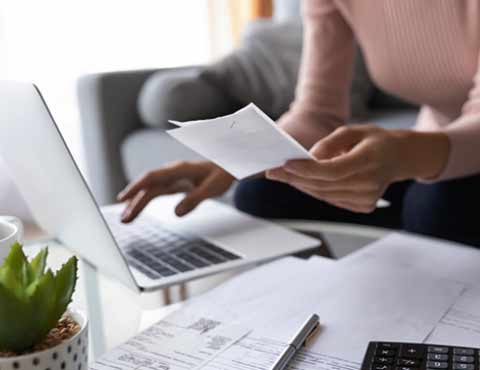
(415, 356)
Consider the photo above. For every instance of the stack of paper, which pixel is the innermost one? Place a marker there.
(401, 288)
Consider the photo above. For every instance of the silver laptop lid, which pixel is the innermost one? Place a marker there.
(51, 183)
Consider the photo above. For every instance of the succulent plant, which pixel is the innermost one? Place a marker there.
(32, 300)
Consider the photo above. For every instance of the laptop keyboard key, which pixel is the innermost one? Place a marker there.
(200, 251)
(191, 259)
(151, 274)
(222, 252)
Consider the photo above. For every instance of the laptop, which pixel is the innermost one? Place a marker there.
(157, 249)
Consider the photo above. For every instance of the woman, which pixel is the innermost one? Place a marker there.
(423, 51)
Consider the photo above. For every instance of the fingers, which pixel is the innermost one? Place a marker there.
(136, 205)
(355, 202)
(211, 187)
(165, 177)
(340, 141)
(357, 194)
(345, 165)
(357, 183)
(350, 207)
(339, 155)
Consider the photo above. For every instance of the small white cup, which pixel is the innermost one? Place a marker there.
(11, 231)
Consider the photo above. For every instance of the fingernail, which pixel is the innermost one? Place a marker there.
(120, 195)
(180, 210)
(125, 214)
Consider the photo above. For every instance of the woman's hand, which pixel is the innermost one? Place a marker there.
(200, 180)
(355, 164)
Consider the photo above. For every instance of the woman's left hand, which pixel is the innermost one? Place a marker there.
(355, 164)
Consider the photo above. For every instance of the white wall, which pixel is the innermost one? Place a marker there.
(52, 42)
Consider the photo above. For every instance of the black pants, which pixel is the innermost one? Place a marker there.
(448, 209)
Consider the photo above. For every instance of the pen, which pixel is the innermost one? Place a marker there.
(308, 329)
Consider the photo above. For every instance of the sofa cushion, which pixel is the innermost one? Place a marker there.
(148, 149)
(180, 95)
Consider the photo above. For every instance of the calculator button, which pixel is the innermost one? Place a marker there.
(437, 357)
(408, 362)
(437, 365)
(388, 345)
(386, 352)
(381, 367)
(465, 359)
(463, 351)
(383, 360)
(457, 366)
(403, 368)
(437, 349)
(411, 351)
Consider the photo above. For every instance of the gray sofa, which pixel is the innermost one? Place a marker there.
(120, 143)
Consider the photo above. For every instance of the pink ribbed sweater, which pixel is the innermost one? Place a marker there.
(425, 51)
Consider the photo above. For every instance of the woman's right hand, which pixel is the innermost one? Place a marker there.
(200, 180)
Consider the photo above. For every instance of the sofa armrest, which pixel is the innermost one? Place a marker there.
(108, 112)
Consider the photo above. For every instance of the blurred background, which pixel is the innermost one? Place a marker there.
(54, 42)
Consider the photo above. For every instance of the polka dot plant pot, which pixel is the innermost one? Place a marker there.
(71, 354)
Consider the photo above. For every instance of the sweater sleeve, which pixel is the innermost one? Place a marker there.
(464, 135)
(322, 95)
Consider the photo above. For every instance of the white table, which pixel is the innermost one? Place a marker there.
(117, 313)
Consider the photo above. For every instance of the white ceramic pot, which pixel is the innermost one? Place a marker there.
(71, 354)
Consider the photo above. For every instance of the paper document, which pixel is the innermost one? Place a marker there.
(443, 259)
(181, 341)
(356, 303)
(461, 325)
(361, 303)
(243, 143)
(261, 353)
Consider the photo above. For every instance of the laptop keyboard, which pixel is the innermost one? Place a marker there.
(159, 252)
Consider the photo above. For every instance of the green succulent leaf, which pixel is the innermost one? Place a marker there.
(38, 265)
(32, 300)
(15, 316)
(17, 267)
(44, 300)
(65, 282)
